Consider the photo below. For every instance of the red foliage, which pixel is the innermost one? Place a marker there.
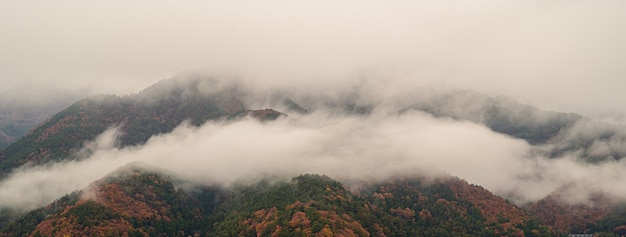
(112, 196)
(300, 219)
(262, 220)
(494, 208)
(344, 225)
(299, 204)
(562, 216)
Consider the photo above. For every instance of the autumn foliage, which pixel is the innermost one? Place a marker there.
(135, 202)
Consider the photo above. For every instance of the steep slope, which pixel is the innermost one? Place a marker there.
(572, 218)
(448, 205)
(156, 110)
(600, 214)
(136, 202)
(5, 139)
(18, 117)
(132, 201)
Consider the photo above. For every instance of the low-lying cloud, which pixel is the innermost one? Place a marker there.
(373, 147)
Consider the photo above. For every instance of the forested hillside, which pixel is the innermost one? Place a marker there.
(156, 110)
(17, 118)
(138, 202)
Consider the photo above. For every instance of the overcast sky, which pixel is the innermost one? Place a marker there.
(558, 55)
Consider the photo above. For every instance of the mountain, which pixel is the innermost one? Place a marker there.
(110, 206)
(573, 218)
(500, 114)
(140, 202)
(163, 106)
(18, 118)
(134, 201)
(20, 113)
(5, 139)
(558, 134)
(601, 214)
(156, 110)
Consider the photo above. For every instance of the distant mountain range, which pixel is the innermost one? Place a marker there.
(140, 201)
(18, 115)
(559, 133)
(18, 119)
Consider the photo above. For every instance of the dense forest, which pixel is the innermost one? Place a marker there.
(17, 119)
(141, 116)
(137, 202)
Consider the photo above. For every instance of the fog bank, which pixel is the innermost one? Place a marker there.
(345, 147)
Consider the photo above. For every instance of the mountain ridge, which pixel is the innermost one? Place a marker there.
(63, 135)
(134, 201)
(165, 105)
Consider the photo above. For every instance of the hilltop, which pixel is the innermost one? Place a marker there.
(412, 204)
(134, 201)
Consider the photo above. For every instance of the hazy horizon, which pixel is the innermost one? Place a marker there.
(564, 56)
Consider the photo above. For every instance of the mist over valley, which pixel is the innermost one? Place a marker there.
(282, 118)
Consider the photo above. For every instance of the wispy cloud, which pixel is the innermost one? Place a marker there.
(344, 147)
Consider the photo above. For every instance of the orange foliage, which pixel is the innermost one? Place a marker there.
(425, 214)
(299, 204)
(335, 194)
(493, 208)
(564, 217)
(350, 226)
(68, 226)
(112, 196)
(262, 220)
(405, 213)
(300, 219)
(325, 232)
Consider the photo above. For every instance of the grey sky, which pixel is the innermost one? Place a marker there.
(558, 55)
